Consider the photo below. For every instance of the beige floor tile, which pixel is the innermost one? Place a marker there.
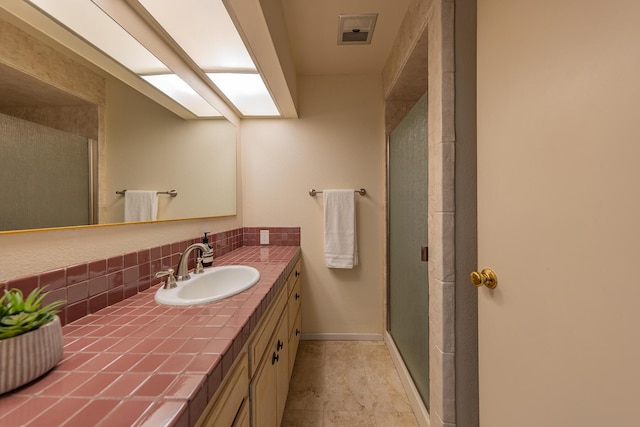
(295, 418)
(348, 419)
(392, 403)
(311, 353)
(346, 383)
(395, 419)
(305, 399)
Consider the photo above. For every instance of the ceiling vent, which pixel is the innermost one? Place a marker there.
(356, 29)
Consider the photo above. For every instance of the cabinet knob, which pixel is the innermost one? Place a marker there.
(297, 295)
(280, 345)
(297, 273)
(274, 358)
(297, 331)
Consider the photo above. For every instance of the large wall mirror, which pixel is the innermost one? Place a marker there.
(150, 148)
(132, 143)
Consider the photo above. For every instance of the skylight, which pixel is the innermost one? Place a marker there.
(205, 31)
(247, 92)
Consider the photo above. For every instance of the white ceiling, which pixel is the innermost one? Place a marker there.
(313, 34)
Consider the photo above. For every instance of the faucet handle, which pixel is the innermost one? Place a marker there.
(199, 268)
(171, 280)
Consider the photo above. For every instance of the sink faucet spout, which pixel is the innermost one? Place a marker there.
(183, 264)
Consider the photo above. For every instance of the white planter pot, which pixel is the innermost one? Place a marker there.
(28, 356)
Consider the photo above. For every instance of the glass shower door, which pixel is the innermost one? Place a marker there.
(408, 288)
(47, 176)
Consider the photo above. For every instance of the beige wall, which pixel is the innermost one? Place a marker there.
(150, 148)
(338, 142)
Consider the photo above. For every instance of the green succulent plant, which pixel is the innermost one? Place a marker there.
(19, 315)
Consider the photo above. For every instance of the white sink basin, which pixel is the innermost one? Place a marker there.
(214, 284)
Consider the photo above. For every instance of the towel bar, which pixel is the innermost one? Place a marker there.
(361, 191)
(172, 193)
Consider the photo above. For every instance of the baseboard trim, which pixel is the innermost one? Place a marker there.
(420, 411)
(342, 337)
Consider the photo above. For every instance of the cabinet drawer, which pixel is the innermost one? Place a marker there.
(295, 275)
(265, 330)
(295, 299)
(294, 340)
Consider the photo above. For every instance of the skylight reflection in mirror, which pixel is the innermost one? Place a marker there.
(89, 22)
(178, 90)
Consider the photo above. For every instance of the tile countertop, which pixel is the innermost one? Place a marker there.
(138, 363)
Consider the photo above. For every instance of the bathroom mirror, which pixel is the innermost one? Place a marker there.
(143, 146)
(150, 148)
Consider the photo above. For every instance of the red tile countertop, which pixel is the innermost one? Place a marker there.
(138, 363)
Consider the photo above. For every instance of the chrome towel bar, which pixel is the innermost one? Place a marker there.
(361, 191)
(172, 193)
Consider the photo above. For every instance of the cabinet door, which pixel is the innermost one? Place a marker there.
(294, 340)
(242, 419)
(231, 397)
(282, 366)
(270, 386)
(263, 394)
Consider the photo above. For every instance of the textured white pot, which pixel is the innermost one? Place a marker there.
(28, 356)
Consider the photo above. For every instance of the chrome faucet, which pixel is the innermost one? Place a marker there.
(183, 264)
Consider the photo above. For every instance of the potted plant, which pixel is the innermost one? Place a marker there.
(30, 337)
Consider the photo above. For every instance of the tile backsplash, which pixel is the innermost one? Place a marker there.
(278, 236)
(94, 285)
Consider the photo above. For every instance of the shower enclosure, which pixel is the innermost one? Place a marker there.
(408, 281)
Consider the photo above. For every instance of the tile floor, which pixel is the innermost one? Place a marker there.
(346, 383)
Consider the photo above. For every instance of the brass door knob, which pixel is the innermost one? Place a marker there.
(485, 278)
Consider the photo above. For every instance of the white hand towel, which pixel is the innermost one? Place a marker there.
(340, 246)
(140, 205)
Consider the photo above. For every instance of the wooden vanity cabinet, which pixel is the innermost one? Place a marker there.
(294, 313)
(254, 393)
(273, 365)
